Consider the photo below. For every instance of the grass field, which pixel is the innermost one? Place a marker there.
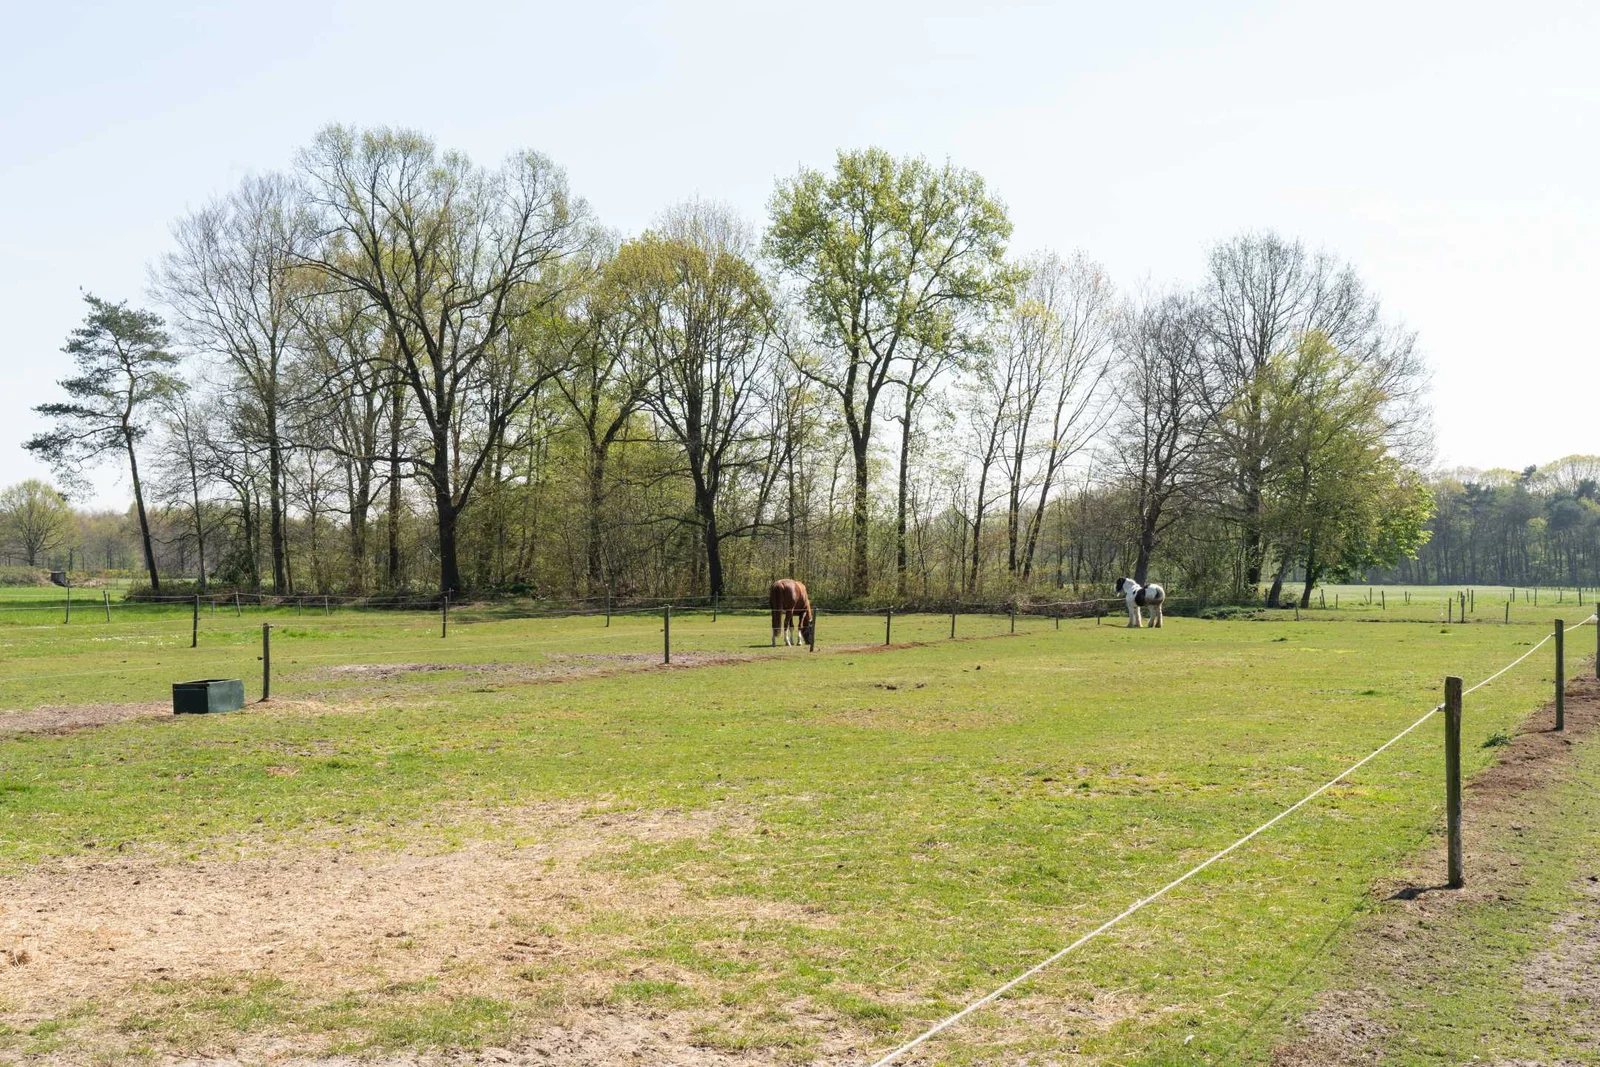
(526, 832)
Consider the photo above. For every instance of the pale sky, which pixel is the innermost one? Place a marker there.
(1450, 151)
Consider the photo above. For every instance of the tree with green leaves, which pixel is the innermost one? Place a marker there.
(34, 521)
(123, 370)
(462, 263)
(890, 254)
(1335, 499)
(705, 318)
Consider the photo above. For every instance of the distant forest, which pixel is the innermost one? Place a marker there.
(389, 368)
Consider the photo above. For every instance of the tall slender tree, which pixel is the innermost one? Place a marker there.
(887, 253)
(124, 372)
(233, 282)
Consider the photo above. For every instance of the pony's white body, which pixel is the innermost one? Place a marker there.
(1150, 596)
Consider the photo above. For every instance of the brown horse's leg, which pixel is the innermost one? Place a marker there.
(774, 626)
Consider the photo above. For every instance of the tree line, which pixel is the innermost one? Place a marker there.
(391, 368)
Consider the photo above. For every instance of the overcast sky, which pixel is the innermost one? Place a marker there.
(1450, 151)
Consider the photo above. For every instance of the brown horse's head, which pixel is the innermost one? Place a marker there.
(808, 628)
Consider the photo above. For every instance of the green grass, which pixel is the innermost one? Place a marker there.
(1488, 603)
(948, 813)
(1453, 985)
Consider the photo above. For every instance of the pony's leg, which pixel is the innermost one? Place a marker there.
(1133, 616)
(1155, 616)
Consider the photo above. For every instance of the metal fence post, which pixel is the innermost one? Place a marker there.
(1561, 676)
(952, 624)
(813, 642)
(888, 624)
(1452, 778)
(194, 633)
(266, 660)
(713, 608)
(666, 634)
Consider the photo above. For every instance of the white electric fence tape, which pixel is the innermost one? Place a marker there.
(989, 998)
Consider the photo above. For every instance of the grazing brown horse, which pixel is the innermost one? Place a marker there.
(788, 598)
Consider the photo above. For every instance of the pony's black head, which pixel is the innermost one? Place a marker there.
(1120, 582)
(808, 629)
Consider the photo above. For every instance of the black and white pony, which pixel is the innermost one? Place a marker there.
(1150, 596)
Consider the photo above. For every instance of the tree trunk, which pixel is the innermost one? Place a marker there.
(1147, 545)
(144, 520)
(445, 508)
(1275, 595)
(859, 569)
(199, 525)
(393, 517)
(361, 501)
(1311, 573)
(449, 572)
(713, 543)
(596, 560)
(900, 503)
(280, 562)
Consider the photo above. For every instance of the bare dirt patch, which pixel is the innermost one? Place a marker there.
(649, 659)
(485, 921)
(391, 670)
(1343, 1027)
(64, 718)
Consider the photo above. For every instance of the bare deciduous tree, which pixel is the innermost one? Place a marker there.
(452, 256)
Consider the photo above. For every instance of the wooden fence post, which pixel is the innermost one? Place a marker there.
(666, 634)
(194, 633)
(953, 624)
(813, 642)
(1508, 612)
(266, 660)
(1383, 600)
(713, 608)
(1561, 676)
(444, 615)
(236, 610)
(1013, 620)
(106, 594)
(1452, 779)
(888, 624)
